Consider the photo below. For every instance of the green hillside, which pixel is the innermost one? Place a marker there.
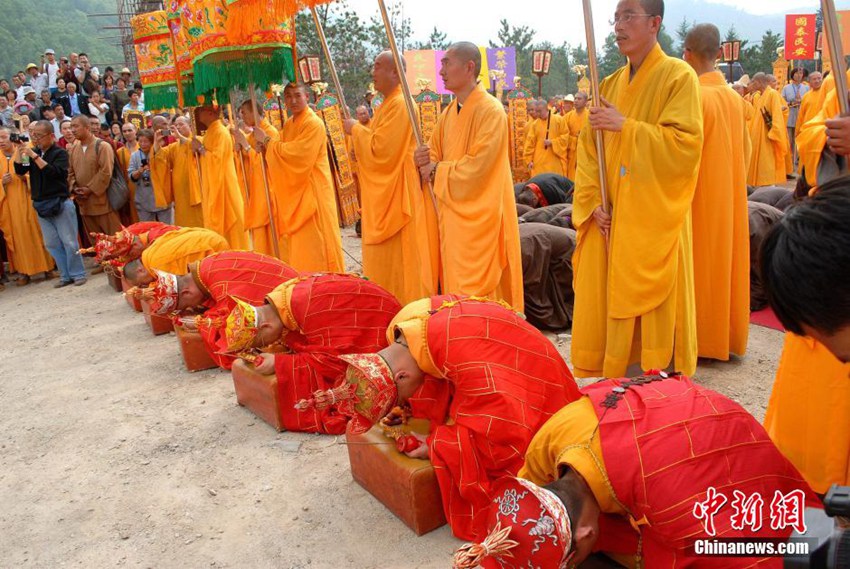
(27, 28)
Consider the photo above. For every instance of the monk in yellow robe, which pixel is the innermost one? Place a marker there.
(223, 205)
(172, 253)
(174, 172)
(307, 217)
(547, 143)
(257, 206)
(531, 107)
(18, 220)
(575, 120)
(804, 263)
(467, 164)
(812, 149)
(812, 101)
(768, 136)
(719, 210)
(633, 267)
(397, 239)
(122, 159)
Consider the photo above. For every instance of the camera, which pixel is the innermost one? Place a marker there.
(830, 537)
(144, 161)
(17, 138)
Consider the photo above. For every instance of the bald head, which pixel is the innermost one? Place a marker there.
(653, 7)
(468, 52)
(136, 274)
(703, 41)
(384, 73)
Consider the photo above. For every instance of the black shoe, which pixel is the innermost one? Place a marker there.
(61, 284)
(80, 282)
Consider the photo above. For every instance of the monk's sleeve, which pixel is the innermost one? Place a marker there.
(530, 142)
(587, 196)
(458, 180)
(777, 129)
(560, 136)
(292, 154)
(105, 162)
(163, 190)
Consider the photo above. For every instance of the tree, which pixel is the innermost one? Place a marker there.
(666, 42)
(437, 40)
(401, 28)
(611, 59)
(682, 33)
(760, 57)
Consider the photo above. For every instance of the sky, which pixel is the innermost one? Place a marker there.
(478, 20)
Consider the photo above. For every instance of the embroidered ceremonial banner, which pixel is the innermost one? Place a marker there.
(275, 112)
(155, 56)
(181, 42)
(422, 65)
(328, 108)
(517, 119)
(800, 36)
(429, 111)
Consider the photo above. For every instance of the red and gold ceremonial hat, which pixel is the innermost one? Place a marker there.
(162, 293)
(529, 528)
(240, 327)
(109, 247)
(366, 394)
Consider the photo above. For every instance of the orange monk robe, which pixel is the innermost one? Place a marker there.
(257, 209)
(19, 224)
(175, 250)
(528, 143)
(122, 157)
(807, 412)
(223, 205)
(767, 163)
(575, 121)
(552, 160)
(810, 106)
(789, 159)
(478, 228)
(811, 137)
(397, 252)
(720, 224)
(634, 299)
(307, 218)
(174, 174)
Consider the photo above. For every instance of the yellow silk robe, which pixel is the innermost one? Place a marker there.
(551, 160)
(175, 250)
(720, 224)
(221, 198)
(767, 163)
(810, 106)
(397, 240)
(19, 223)
(122, 156)
(479, 231)
(174, 173)
(307, 218)
(575, 121)
(634, 299)
(257, 209)
(807, 412)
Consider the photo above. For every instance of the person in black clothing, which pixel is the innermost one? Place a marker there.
(543, 190)
(47, 166)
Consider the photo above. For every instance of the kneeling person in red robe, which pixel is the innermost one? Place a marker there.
(642, 468)
(128, 244)
(316, 319)
(486, 380)
(212, 286)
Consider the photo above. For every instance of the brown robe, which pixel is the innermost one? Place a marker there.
(547, 274)
(762, 218)
(93, 169)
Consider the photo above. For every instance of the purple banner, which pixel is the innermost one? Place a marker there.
(441, 87)
(503, 59)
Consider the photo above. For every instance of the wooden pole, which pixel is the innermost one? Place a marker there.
(596, 98)
(836, 54)
(405, 90)
(272, 223)
(331, 67)
(197, 157)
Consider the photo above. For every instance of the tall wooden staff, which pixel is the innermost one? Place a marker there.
(331, 67)
(597, 101)
(196, 156)
(836, 54)
(405, 89)
(272, 224)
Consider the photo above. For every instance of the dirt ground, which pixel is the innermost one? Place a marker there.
(111, 454)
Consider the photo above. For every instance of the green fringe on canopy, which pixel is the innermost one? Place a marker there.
(161, 97)
(222, 71)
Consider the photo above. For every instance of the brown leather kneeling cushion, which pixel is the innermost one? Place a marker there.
(195, 354)
(258, 393)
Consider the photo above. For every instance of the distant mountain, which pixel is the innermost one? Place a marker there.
(749, 26)
(27, 28)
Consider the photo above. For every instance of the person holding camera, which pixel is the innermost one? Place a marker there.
(47, 165)
(140, 174)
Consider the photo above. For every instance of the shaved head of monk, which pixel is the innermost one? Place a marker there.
(636, 26)
(362, 114)
(136, 274)
(246, 112)
(581, 100)
(815, 80)
(384, 73)
(189, 294)
(460, 67)
(702, 47)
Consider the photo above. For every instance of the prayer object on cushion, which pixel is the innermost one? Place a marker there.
(257, 392)
(406, 486)
(158, 324)
(195, 354)
(134, 302)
